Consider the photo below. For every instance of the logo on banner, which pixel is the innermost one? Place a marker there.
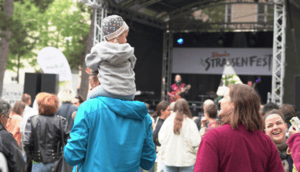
(220, 60)
(53, 61)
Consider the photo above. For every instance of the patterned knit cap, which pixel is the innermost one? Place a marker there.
(4, 107)
(113, 26)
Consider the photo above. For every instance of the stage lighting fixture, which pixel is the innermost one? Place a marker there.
(179, 41)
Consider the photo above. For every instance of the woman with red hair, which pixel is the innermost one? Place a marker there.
(240, 144)
(43, 133)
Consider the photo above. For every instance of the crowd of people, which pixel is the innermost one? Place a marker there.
(112, 132)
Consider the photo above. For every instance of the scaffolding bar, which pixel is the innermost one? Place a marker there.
(279, 45)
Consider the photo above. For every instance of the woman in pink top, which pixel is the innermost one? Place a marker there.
(238, 145)
(14, 123)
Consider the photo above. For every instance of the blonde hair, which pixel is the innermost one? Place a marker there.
(66, 95)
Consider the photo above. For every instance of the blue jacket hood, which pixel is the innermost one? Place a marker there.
(128, 109)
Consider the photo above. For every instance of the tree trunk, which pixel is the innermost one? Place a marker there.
(84, 84)
(4, 42)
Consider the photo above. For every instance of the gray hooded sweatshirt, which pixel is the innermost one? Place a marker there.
(115, 64)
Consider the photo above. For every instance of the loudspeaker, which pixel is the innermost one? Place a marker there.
(32, 85)
(297, 93)
(49, 83)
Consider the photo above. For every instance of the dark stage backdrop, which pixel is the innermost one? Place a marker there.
(148, 44)
(292, 58)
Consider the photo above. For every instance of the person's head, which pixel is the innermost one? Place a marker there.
(26, 98)
(211, 111)
(93, 78)
(77, 100)
(178, 79)
(5, 109)
(268, 107)
(66, 95)
(115, 29)
(261, 110)
(275, 127)
(18, 108)
(288, 112)
(163, 110)
(181, 108)
(241, 104)
(250, 83)
(207, 103)
(148, 106)
(48, 104)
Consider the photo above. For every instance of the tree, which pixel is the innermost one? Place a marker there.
(8, 10)
(84, 77)
(6, 13)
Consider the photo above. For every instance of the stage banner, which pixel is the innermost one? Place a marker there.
(245, 61)
(53, 61)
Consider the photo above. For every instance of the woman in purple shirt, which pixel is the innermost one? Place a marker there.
(240, 144)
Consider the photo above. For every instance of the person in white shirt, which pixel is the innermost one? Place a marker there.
(179, 139)
(26, 98)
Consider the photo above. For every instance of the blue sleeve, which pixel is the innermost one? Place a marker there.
(75, 149)
(148, 152)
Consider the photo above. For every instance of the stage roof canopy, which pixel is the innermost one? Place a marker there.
(176, 15)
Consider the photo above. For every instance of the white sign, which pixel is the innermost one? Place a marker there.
(53, 61)
(12, 93)
(245, 61)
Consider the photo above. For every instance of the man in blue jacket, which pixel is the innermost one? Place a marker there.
(111, 135)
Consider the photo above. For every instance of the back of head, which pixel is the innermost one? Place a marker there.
(246, 108)
(211, 110)
(66, 95)
(181, 108)
(48, 104)
(268, 107)
(26, 98)
(288, 112)
(208, 102)
(80, 98)
(4, 107)
(18, 107)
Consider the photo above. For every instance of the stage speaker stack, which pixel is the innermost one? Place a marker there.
(32, 84)
(297, 94)
(49, 83)
(37, 82)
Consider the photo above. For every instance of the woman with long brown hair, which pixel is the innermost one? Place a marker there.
(240, 144)
(15, 122)
(179, 138)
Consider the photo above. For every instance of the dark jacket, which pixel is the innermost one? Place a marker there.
(42, 137)
(66, 110)
(10, 149)
(156, 131)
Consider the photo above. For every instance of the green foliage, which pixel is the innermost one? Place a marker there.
(229, 79)
(63, 25)
(42, 5)
(216, 14)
